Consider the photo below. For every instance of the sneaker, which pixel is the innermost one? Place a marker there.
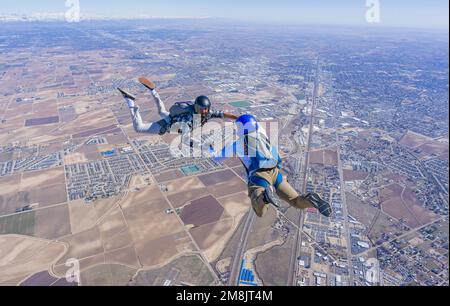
(322, 206)
(149, 84)
(270, 197)
(126, 95)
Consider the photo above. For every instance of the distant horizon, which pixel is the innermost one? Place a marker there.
(415, 14)
(221, 19)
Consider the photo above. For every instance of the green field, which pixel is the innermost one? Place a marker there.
(21, 223)
(190, 169)
(240, 104)
(107, 275)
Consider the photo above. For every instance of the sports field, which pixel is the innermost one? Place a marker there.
(190, 169)
(240, 104)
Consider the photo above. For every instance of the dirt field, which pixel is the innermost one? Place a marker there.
(364, 213)
(232, 162)
(42, 121)
(350, 175)
(184, 197)
(52, 222)
(330, 157)
(83, 244)
(216, 177)
(262, 231)
(234, 185)
(38, 179)
(184, 184)
(9, 184)
(316, 157)
(97, 131)
(236, 205)
(126, 256)
(383, 226)
(191, 270)
(397, 209)
(87, 121)
(267, 267)
(414, 140)
(240, 170)
(168, 176)
(22, 256)
(9, 203)
(422, 214)
(60, 269)
(102, 206)
(390, 191)
(112, 225)
(48, 195)
(202, 211)
(427, 145)
(156, 234)
(82, 216)
(118, 138)
(74, 158)
(212, 238)
(401, 203)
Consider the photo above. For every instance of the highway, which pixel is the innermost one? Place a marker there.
(292, 279)
(343, 198)
(240, 250)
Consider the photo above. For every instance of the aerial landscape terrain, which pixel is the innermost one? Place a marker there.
(362, 118)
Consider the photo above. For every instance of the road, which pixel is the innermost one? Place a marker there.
(240, 250)
(343, 198)
(292, 279)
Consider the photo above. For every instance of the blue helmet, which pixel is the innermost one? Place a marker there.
(246, 124)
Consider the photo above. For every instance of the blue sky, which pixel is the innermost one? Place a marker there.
(405, 13)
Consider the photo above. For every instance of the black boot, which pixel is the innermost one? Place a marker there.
(126, 95)
(321, 205)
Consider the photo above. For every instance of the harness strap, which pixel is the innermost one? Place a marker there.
(278, 180)
(259, 181)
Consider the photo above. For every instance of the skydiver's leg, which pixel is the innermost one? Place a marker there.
(160, 105)
(287, 193)
(140, 127)
(256, 194)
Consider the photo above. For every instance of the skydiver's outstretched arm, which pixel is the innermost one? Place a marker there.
(223, 115)
(230, 116)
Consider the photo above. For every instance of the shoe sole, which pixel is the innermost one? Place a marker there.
(126, 94)
(147, 83)
(318, 202)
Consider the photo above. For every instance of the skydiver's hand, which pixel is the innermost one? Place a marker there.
(230, 116)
